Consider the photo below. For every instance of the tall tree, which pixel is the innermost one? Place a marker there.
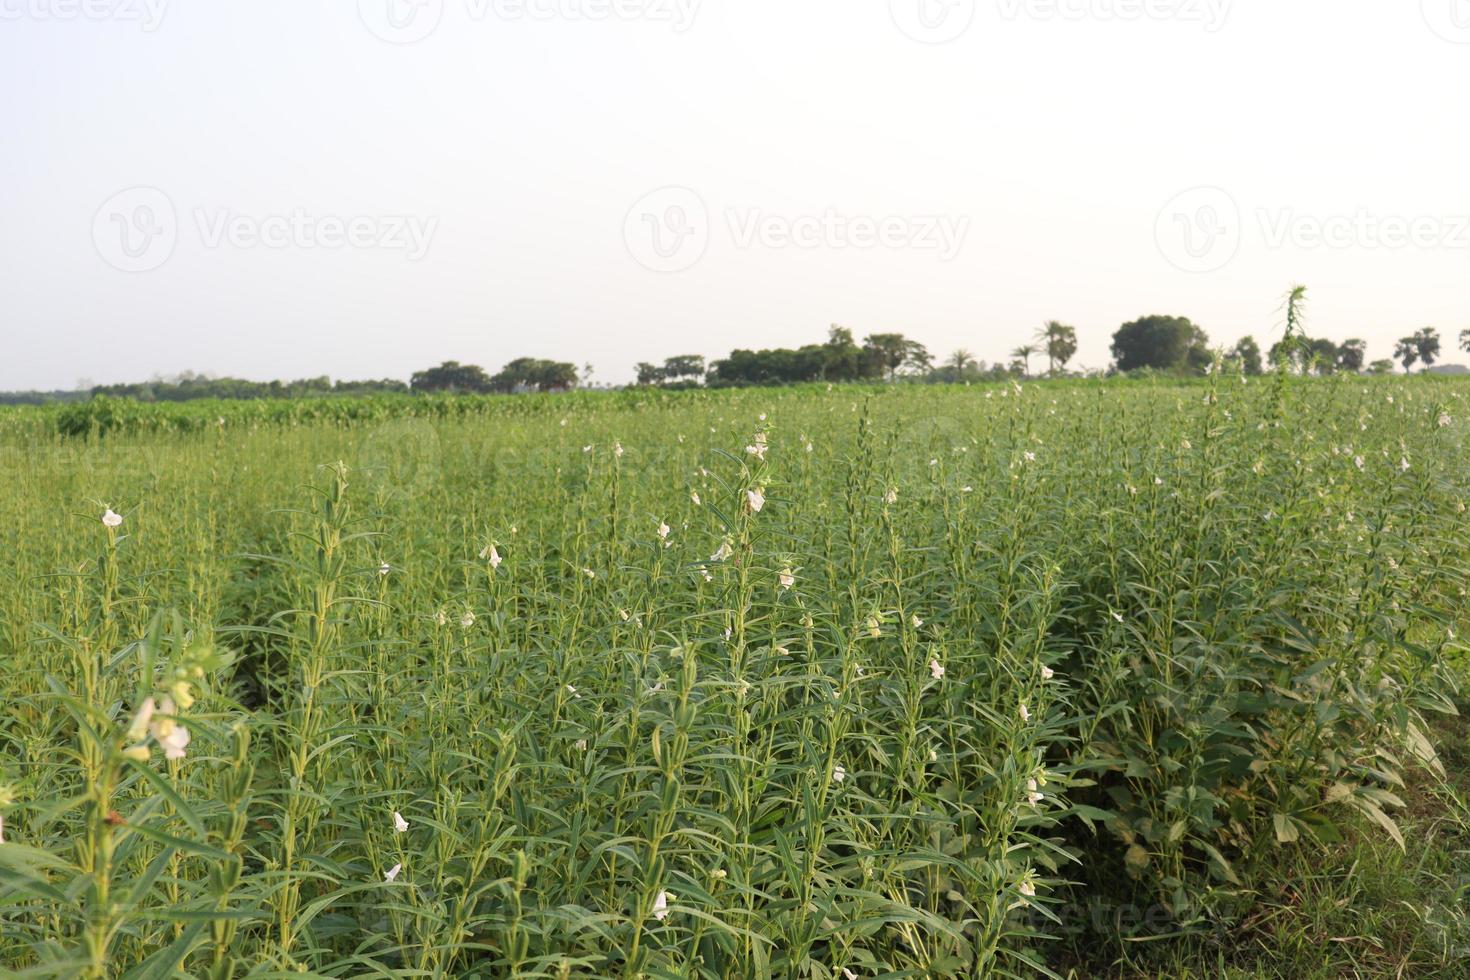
(452, 376)
(1465, 340)
(1163, 343)
(1352, 355)
(1059, 341)
(1427, 341)
(894, 352)
(1248, 352)
(961, 361)
(1023, 355)
(1406, 352)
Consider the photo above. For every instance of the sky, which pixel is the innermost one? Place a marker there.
(365, 188)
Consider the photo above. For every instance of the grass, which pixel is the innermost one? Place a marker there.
(819, 682)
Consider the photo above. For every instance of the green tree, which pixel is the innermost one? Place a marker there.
(1427, 343)
(1163, 343)
(451, 376)
(1406, 352)
(1248, 353)
(1023, 355)
(648, 374)
(1059, 342)
(684, 367)
(1352, 355)
(893, 352)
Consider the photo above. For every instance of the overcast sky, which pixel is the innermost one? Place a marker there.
(283, 189)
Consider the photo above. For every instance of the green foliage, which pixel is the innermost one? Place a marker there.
(708, 684)
(1163, 343)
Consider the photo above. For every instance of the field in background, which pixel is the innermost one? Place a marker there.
(1104, 677)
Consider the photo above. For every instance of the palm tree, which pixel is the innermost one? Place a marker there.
(1407, 352)
(1024, 355)
(1059, 341)
(1465, 340)
(961, 360)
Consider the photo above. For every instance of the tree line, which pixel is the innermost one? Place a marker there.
(1157, 344)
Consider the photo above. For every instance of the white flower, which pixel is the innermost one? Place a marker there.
(758, 450)
(1028, 889)
(441, 617)
(384, 568)
(400, 825)
(170, 735)
(110, 519)
(580, 745)
(392, 872)
(138, 730)
(1025, 713)
(838, 774)
(915, 621)
(1404, 464)
(586, 449)
(787, 579)
(589, 573)
(1444, 419)
(724, 551)
(891, 497)
(617, 448)
(936, 669)
(1358, 462)
(1030, 457)
(694, 496)
(488, 553)
(1158, 481)
(663, 531)
(572, 691)
(1033, 792)
(1118, 616)
(756, 499)
(1047, 673)
(467, 620)
(661, 906)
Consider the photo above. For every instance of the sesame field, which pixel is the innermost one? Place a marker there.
(1091, 678)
